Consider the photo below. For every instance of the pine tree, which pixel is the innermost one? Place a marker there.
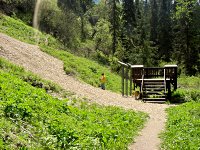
(186, 35)
(165, 30)
(154, 21)
(114, 19)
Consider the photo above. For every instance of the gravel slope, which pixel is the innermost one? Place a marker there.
(31, 58)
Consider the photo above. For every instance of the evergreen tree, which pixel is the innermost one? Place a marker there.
(154, 21)
(129, 17)
(186, 35)
(128, 29)
(165, 31)
(114, 19)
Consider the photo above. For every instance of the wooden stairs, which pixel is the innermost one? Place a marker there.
(154, 82)
(154, 90)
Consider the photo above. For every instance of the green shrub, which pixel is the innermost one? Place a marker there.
(184, 95)
(186, 82)
(188, 90)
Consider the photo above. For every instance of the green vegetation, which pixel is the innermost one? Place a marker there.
(140, 35)
(133, 31)
(32, 119)
(186, 82)
(19, 30)
(182, 130)
(28, 77)
(84, 69)
(188, 90)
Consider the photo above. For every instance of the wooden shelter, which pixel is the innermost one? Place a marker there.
(154, 82)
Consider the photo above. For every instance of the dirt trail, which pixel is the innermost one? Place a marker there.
(33, 59)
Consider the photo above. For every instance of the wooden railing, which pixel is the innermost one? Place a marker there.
(168, 72)
(155, 72)
(138, 73)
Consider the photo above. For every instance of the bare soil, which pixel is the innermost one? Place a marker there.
(33, 59)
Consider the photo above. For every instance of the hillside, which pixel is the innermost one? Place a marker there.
(83, 69)
(32, 119)
(50, 68)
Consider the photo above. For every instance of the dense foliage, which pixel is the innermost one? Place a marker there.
(136, 31)
(182, 130)
(32, 119)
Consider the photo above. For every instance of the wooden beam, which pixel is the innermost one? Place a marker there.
(123, 64)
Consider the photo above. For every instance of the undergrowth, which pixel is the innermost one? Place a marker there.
(32, 119)
(182, 129)
(28, 77)
(188, 89)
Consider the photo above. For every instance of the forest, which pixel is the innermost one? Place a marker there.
(148, 32)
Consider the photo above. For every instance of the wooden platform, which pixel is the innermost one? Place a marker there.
(154, 82)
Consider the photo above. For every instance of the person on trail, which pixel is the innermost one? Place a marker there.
(103, 81)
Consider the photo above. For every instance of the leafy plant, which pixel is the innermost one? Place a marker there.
(30, 118)
(188, 90)
(28, 77)
(182, 129)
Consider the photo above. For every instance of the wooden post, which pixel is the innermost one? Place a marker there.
(122, 80)
(131, 82)
(126, 81)
(136, 73)
(176, 76)
(173, 73)
(169, 91)
(124, 76)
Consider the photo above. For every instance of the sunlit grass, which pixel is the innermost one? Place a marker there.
(32, 119)
(182, 129)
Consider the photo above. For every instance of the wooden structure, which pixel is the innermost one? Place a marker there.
(154, 82)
